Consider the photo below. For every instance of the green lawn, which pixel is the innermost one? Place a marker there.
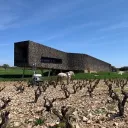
(16, 71)
(100, 75)
(12, 72)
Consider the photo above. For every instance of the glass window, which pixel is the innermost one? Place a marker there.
(51, 60)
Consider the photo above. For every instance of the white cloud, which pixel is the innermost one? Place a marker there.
(17, 13)
(69, 30)
(115, 26)
(8, 13)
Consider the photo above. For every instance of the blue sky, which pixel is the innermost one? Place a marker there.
(95, 27)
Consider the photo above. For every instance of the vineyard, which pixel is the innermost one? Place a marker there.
(90, 103)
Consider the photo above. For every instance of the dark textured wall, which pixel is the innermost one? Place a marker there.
(70, 61)
(36, 51)
(83, 61)
(97, 65)
(76, 61)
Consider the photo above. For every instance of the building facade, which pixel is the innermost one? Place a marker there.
(27, 53)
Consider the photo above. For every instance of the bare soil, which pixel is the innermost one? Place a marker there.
(95, 112)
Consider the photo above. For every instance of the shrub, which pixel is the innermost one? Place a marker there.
(39, 121)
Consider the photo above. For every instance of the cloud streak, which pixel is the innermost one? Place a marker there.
(71, 29)
(17, 13)
(21, 13)
(121, 25)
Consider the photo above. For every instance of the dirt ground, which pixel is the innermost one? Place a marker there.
(95, 112)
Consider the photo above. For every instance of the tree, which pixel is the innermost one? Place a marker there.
(5, 66)
(125, 68)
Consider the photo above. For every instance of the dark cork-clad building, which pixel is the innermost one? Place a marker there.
(26, 53)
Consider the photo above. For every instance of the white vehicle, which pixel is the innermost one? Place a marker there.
(37, 77)
(36, 80)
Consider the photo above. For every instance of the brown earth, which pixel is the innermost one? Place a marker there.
(88, 112)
